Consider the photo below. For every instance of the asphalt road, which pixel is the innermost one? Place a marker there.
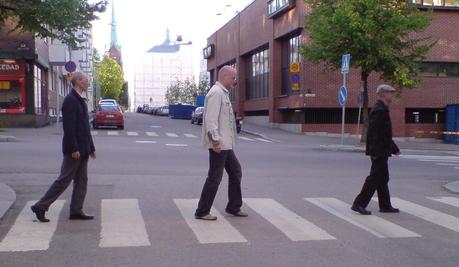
(146, 179)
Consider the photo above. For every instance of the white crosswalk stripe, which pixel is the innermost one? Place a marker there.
(94, 132)
(29, 235)
(263, 140)
(372, 224)
(190, 135)
(220, 231)
(453, 201)
(153, 134)
(145, 142)
(132, 133)
(292, 225)
(430, 215)
(112, 133)
(172, 135)
(437, 160)
(122, 224)
(177, 145)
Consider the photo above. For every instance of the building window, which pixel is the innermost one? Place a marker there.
(331, 115)
(438, 69)
(257, 81)
(290, 54)
(425, 115)
(38, 92)
(437, 3)
(278, 7)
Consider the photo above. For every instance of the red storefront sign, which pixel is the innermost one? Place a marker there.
(12, 86)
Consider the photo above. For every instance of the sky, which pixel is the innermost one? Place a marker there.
(141, 24)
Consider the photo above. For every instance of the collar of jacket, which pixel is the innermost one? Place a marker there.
(222, 87)
(80, 97)
(381, 105)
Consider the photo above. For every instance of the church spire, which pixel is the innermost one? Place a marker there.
(114, 35)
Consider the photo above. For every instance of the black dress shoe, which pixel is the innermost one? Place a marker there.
(81, 216)
(389, 210)
(40, 214)
(360, 210)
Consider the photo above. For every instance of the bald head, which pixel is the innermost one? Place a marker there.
(80, 81)
(227, 76)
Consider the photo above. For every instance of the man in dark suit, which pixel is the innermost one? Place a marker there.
(380, 147)
(77, 147)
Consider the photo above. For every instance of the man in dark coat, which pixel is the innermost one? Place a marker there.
(77, 147)
(380, 147)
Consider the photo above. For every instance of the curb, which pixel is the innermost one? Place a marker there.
(5, 138)
(258, 135)
(453, 187)
(7, 198)
(342, 148)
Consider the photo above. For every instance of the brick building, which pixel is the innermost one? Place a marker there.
(264, 39)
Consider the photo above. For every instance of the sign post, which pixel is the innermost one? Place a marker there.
(360, 102)
(342, 96)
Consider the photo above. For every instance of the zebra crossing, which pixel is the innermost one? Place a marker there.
(169, 135)
(122, 223)
(447, 161)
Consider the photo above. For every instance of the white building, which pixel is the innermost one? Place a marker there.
(158, 68)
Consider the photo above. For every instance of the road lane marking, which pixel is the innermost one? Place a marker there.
(112, 133)
(190, 135)
(245, 138)
(122, 224)
(145, 142)
(172, 135)
(177, 145)
(439, 160)
(263, 140)
(152, 134)
(156, 126)
(427, 214)
(132, 133)
(370, 223)
(453, 201)
(429, 157)
(448, 164)
(208, 232)
(291, 224)
(94, 132)
(27, 234)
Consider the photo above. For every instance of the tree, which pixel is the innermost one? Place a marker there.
(203, 86)
(124, 96)
(109, 77)
(377, 33)
(182, 92)
(58, 19)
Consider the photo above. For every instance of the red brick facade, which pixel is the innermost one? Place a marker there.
(252, 29)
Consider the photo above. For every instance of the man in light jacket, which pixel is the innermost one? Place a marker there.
(219, 136)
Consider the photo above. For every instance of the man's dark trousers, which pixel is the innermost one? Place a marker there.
(377, 181)
(225, 160)
(72, 169)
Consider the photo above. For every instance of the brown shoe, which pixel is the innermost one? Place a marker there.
(207, 217)
(238, 214)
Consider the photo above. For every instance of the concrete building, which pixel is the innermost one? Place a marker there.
(158, 68)
(263, 41)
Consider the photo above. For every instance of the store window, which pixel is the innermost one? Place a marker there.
(38, 90)
(290, 54)
(437, 3)
(439, 69)
(257, 82)
(12, 86)
(425, 115)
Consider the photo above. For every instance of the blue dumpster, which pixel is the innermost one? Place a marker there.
(181, 111)
(200, 100)
(452, 124)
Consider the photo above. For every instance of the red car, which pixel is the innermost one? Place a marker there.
(108, 115)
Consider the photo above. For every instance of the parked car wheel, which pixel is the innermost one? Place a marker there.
(94, 126)
(192, 121)
(121, 127)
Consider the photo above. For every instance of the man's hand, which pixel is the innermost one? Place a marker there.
(93, 155)
(217, 148)
(76, 155)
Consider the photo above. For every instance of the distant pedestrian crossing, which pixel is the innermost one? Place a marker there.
(447, 161)
(169, 135)
(122, 223)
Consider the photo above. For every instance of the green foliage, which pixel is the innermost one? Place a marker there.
(59, 19)
(377, 34)
(109, 76)
(183, 92)
(124, 96)
(203, 86)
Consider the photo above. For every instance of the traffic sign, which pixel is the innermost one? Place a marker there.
(70, 66)
(295, 67)
(345, 60)
(342, 95)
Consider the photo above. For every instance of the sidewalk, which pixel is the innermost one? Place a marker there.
(333, 142)
(7, 198)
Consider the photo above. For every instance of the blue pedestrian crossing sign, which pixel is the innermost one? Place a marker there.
(342, 95)
(345, 61)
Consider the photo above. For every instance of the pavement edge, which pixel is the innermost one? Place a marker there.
(7, 198)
